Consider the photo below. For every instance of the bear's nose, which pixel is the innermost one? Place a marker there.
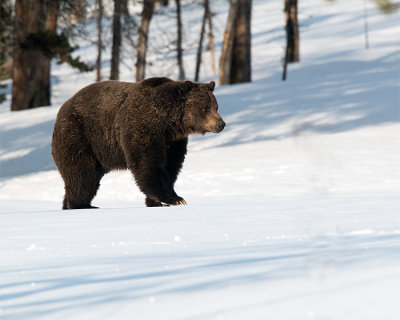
(221, 125)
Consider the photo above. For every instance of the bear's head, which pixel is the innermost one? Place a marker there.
(201, 108)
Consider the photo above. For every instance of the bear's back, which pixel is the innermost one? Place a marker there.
(103, 96)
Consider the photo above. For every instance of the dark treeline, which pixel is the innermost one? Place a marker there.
(33, 33)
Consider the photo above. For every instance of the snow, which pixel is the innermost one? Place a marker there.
(291, 259)
(293, 210)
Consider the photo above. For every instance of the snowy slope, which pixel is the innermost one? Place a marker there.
(293, 209)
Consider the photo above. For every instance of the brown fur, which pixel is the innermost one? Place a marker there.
(142, 127)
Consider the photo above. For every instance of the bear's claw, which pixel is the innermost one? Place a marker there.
(181, 202)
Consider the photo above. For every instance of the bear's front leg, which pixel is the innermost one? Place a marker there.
(147, 160)
(153, 203)
(158, 188)
(154, 181)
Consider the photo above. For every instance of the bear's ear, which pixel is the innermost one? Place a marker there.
(212, 85)
(188, 85)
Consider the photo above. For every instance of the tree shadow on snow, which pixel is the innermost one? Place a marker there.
(27, 150)
(326, 97)
(193, 272)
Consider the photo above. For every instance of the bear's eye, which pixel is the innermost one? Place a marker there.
(206, 109)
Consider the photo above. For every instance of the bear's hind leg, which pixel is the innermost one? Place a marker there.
(81, 186)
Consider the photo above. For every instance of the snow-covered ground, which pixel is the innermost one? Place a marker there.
(293, 210)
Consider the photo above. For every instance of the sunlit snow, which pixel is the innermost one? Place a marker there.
(293, 210)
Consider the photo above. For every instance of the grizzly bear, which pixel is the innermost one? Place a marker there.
(141, 126)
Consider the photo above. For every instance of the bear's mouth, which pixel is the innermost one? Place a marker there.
(202, 132)
(193, 130)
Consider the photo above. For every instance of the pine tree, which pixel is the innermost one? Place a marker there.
(36, 44)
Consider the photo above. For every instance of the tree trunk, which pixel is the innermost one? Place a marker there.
(285, 63)
(147, 13)
(163, 3)
(210, 37)
(99, 38)
(179, 41)
(116, 44)
(200, 47)
(292, 31)
(31, 67)
(235, 61)
(241, 57)
(227, 45)
(6, 38)
(366, 33)
(51, 25)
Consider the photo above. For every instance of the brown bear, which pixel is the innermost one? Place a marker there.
(142, 127)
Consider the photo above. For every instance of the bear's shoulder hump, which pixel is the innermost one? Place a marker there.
(155, 81)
